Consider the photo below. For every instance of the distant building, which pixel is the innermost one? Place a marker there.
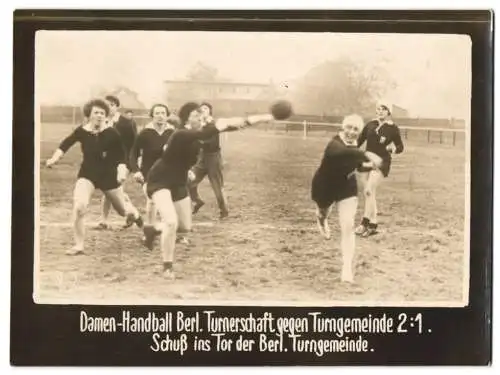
(228, 98)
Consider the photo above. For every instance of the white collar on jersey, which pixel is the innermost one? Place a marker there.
(150, 125)
(389, 122)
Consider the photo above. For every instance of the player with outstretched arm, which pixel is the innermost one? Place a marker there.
(167, 181)
(103, 167)
(335, 182)
(209, 165)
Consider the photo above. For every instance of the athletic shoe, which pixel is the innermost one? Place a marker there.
(102, 226)
(197, 205)
(131, 219)
(182, 240)
(168, 274)
(370, 231)
(74, 251)
(323, 227)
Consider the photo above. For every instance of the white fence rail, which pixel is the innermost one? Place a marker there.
(305, 127)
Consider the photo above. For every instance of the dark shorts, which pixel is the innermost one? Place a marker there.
(178, 192)
(102, 179)
(325, 191)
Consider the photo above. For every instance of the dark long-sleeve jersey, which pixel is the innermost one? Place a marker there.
(211, 145)
(181, 153)
(334, 179)
(101, 151)
(127, 130)
(378, 136)
(340, 160)
(149, 145)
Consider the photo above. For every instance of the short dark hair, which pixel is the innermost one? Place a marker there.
(158, 105)
(186, 110)
(87, 108)
(208, 105)
(113, 99)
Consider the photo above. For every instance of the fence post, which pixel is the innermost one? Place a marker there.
(73, 115)
(406, 133)
(428, 136)
(304, 124)
(454, 138)
(441, 137)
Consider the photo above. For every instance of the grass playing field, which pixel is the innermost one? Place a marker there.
(269, 248)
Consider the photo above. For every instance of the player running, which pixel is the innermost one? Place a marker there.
(168, 178)
(209, 164)
(382, 137)
(149, 146)
(335, 182)
(127, 129)
(103, 167)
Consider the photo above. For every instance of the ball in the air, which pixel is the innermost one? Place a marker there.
(281, 109)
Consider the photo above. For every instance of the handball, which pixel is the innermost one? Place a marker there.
(281, 109)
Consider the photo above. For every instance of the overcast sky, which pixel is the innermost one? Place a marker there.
(432, 72)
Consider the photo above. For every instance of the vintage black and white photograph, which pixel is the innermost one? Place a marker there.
(252, 168)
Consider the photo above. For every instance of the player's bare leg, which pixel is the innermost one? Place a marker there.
(185, 221)
(322, 221)
(347, 212)
(105, 210)
(81, 197)
(363, 227)
(163, 201)
(124, 206)
(374, 179)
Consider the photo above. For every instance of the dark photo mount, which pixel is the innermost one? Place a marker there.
(50, 335)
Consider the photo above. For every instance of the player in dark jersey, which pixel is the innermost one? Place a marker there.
(103, 167)
(168, 178)
(148, 146)
(382, 137)
(335, 182)
(209, 164)
(127, 129)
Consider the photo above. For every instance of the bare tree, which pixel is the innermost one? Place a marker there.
(340, 87)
